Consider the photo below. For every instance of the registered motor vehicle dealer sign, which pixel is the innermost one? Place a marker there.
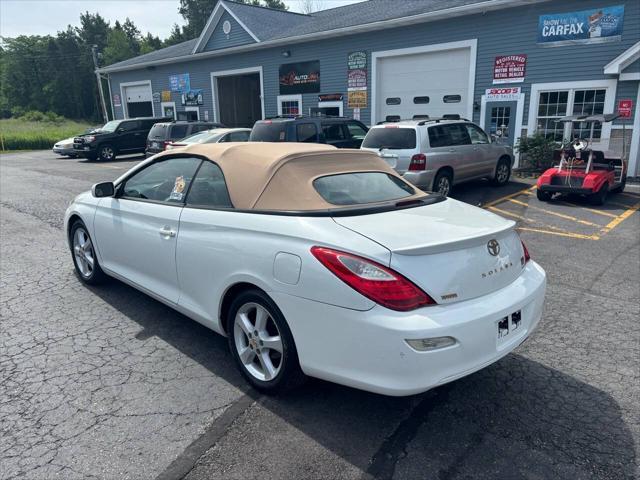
(509, 68)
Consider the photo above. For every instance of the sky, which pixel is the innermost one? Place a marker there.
(42, 17)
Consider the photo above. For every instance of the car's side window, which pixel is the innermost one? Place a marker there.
(129, 126)
(238, 137)
(179, 131)
(458, 134)
(209, 188)
(164, 181)
(477, 136)
(307, 133)
(438, 136)
(356, 131)
(332, 132)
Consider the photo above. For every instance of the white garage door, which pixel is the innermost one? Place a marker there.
(433, 83)
(138, 93)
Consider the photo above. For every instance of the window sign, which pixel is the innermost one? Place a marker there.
(587, 26)
(180, 83)
(509, 69)
(301, 77)
(192, 98)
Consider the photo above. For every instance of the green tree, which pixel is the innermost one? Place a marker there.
(118, 47)
(149, 43)
(134, 37)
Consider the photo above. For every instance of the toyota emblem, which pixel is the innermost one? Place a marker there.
(494, 247)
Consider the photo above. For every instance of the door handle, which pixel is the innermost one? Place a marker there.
(452, 150)
(167, 232)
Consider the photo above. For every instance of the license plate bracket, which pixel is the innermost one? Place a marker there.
(509, 326)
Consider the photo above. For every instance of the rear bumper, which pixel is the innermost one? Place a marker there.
(64, 151)
(422, 179)
(367, 350)
(564, 189)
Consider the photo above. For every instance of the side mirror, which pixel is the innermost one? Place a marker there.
(121, 130)
(104, 189)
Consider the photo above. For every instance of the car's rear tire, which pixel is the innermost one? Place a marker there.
(601, 196)
(503, 173)
(106, 153)
(84, 256)
(262, 344)
(443, 182)
(543, 196)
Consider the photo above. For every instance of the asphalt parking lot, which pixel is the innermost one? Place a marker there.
(108, 383)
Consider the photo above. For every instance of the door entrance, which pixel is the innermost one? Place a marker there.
(238, 99)
(139, 101)
(501, 121)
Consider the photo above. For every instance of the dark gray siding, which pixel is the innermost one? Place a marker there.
(237, 36)
(511, 31)
(633, 68)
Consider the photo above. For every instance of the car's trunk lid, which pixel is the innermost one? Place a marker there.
(446, 248)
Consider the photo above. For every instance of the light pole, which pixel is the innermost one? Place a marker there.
(94, 54)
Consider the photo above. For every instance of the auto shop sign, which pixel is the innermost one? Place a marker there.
(587, 26)
(357, 82)
(507, 94)
(301, 77)
(180, 83)
(509, 69)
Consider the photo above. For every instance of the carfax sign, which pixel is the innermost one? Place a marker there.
(588, 26)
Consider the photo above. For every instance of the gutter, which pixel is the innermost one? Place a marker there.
(482, 7)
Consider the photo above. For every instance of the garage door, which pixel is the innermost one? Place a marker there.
(433, 83)
(139, 101)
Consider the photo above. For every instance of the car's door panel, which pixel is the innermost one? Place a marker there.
(482, 161)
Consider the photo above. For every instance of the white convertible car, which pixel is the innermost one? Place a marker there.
(314, 261)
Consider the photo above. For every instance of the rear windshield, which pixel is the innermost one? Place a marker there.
(361, 188)
(158, 131)
(392, 138)
(268, 132)
(179, 131)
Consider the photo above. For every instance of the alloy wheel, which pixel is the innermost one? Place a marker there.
(258, 342)
(502, 175)
(106, 153)
(443, 186)
(83, 252)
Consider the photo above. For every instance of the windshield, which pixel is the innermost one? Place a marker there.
(390, 137)
(208, 136)
(158, 131)
(109, 127)
(361, 188)
(268, 132)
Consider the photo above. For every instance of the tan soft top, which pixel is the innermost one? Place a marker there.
(279, 176)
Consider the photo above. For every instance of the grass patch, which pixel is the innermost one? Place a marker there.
(19, 134)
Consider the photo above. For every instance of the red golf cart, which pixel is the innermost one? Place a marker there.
(581, 170)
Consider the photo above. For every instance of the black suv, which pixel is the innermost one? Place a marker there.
(115, 138)
(166, 132)
(340, 132)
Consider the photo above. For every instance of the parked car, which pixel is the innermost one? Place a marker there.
(115, 138)
(65, 147)
(162, 134)
(314, 261)
(340, 132)
(437, 153)
(215, 135)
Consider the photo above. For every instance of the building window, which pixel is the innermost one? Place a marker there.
(392, 118)
(500, 117)
(556, 104)
(289, 105)
(452, 99)
(552, 106)
(420, 100)
(393, 101)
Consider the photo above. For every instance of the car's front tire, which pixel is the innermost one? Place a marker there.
(262, 344)
(543, 196)
(84, 256)
(503, 172)
(106, 153)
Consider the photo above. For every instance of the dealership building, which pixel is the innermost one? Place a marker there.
(513, 67)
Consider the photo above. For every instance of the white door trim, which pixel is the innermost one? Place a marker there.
(333, 104)
(168, 104)
(193, 108)
(123, 98)
(229, 73)
(634, 149)
(472, 44)
(609, 100)
(289, 98)
(518, 126)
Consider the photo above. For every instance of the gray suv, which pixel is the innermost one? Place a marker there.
(437, 153)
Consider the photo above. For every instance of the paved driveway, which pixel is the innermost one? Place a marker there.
(108, 383)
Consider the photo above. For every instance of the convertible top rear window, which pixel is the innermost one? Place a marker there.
(361, 188)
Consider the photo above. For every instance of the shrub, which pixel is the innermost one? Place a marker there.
(537, 150)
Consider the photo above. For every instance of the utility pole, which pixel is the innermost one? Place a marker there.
(94, 53)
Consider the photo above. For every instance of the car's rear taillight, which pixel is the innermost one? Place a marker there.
(526, 257)
(166, 143)
(418, 162)
(374, 281)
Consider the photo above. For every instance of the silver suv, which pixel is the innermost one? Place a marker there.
(437, 153)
